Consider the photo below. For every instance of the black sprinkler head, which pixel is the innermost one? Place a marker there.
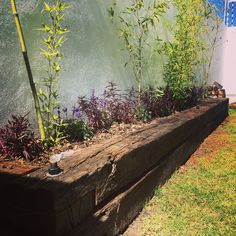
(54, 169)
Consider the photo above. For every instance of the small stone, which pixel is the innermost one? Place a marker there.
(69, 145)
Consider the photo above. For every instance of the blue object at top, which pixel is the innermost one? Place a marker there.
(226, 10)
(219, 6)
(230, 17)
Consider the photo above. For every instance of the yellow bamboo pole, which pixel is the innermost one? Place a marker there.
(29, 72)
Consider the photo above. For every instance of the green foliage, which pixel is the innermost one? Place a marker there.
(136, 21)
(185, 51)
(232, 112)
(54, 130)
(142, 114)
(54, 37)
(77, 130)
(231, 129)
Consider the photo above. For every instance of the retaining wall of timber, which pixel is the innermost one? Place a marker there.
(105, 186)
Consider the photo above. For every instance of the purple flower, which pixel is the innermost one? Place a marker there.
(103, 102)
(64, 109)
(76, 112)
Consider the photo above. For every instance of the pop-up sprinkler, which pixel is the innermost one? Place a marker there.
(54, 170)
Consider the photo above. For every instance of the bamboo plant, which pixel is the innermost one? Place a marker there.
(136, 22)
(53, 38)
(29, 72)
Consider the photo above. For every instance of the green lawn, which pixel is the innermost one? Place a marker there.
(199, 199)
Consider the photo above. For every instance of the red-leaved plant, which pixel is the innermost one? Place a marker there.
(18, 140)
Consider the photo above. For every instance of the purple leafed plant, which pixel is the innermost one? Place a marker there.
(18, 140)
(94, 113)
(193, 95)
(155, 103)
(121, 107)
(113, 106)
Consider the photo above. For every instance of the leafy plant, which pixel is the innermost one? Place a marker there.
(120, 106)
(94, 112)
(197, 93)
(142, 114)
(53, 41)
(156, 103)
(77, 130)
(113, 106)
(18, 140)
(136, 21)
(184, 53)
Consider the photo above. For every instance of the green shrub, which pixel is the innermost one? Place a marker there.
(77, 130)
(185, 52)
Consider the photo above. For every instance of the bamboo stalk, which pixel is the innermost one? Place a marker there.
(29, 72)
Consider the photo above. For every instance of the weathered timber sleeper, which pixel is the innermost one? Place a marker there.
(104, 187)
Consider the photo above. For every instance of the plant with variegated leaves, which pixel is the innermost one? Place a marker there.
(53, 39)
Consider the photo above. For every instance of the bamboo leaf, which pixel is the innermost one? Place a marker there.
(47, 7)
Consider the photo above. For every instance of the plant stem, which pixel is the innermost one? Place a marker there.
(213, 50)
(29, 72)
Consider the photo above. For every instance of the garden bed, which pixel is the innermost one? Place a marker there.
(104, 187)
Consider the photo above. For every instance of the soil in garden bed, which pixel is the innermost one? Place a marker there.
(17, 167)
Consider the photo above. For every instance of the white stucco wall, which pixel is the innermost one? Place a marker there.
(224, 62)
(228, 71)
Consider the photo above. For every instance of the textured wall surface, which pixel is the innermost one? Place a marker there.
(92, 54)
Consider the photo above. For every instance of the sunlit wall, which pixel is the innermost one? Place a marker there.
(92, 54)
